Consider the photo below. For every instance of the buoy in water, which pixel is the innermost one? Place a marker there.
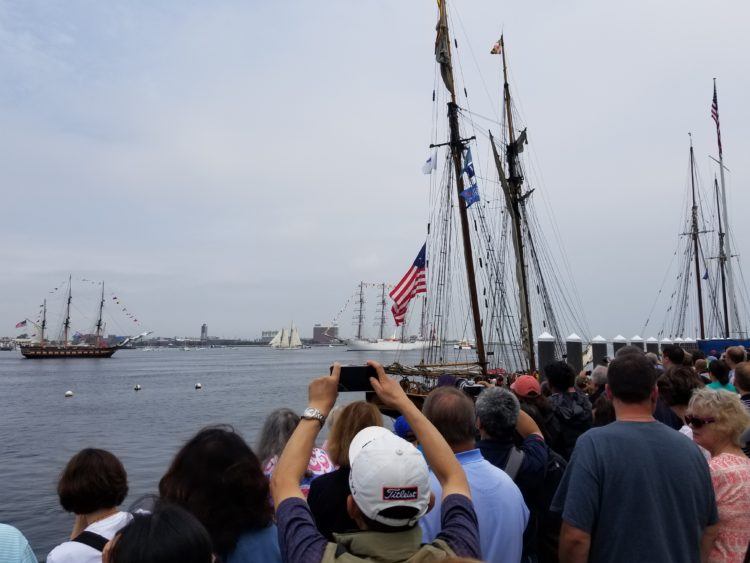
(137, 387)
(68, 394)
(198, 386)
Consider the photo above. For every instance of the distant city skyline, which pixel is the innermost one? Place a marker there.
(247, 164)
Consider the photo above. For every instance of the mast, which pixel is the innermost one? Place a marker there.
(512, 186)
(696, 246)
(723, 212)
(382, 312)
(44, 322)
(361, 310)
(722, 263)
(443, 56)
(66, 324)
(99, 320)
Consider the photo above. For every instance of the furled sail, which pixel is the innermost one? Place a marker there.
(443, 50)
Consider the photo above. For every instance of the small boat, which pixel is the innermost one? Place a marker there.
(463, 345)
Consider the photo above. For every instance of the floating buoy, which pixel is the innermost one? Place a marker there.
(137, 387)
(198, 386)
(68, 394)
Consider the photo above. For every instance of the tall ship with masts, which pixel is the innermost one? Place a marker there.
(488, 273)
(45, 348)
(710, 300)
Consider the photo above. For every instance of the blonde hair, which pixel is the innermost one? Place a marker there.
(726, 407)
(349, 421)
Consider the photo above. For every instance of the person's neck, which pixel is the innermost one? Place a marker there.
(726, 447)
(97, 515)
(464, 447)
(633, 412)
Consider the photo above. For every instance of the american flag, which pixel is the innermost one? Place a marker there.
(413, 283)
(715, 117)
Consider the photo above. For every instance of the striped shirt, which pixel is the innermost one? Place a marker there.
(14, 548)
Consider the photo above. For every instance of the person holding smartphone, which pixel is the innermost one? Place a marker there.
(389, 480)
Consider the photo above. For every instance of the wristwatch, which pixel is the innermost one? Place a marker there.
(314, 414)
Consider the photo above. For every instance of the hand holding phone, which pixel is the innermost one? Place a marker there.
(356, 378)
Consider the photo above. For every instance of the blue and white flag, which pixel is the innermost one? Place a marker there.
(470, 195)
(431, 163)
(469, 166)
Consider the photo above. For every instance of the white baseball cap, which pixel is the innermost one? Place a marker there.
(387, 471)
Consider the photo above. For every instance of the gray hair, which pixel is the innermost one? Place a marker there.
(653, 358)
(277, 429)
(497, 410)
(599, 375)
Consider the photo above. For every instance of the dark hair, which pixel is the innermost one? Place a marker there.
(720, 370)
(675, 354)
(530, 408)
(92, 480)
(698, 354)
(218, 478)
(170, 534)
(742, 376)
(735, 353)
(452, 413)
(676, 385)
(560, 375)
(631, 378)
(629, 349)
(396, 512)
(604, 411)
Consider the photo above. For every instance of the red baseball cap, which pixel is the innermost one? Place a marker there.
(526, 386)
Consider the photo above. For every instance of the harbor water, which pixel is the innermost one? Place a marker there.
(40, 429)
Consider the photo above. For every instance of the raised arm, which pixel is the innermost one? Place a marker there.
(292, 465)
(436, 450)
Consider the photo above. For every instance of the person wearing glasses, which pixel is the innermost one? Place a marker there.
(718, 419)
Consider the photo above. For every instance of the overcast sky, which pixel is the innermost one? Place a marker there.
(246, 164)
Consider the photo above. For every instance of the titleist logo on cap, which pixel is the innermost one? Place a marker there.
(400, 493)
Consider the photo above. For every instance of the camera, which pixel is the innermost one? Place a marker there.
(469, 387)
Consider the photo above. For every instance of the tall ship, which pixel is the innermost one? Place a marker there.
(63, 347)
(488, 272)
(382, 343)
(709, 302)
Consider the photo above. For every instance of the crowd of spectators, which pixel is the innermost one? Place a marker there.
(640, 459)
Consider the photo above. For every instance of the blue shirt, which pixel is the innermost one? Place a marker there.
(641, 490)
(501, 511)
(259, 545)
(13, 546)
(716, 386)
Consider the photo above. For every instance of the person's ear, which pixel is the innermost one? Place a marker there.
(355, 513)
(608, 391)
(478, 424)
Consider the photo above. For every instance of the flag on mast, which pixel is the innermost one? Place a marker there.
(497, 48)
(21, 324)
(715, 117)
(412, 284)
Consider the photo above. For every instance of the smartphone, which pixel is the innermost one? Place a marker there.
(356, 378)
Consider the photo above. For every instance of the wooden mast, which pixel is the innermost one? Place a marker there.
(99, 320)
(696, 246)
(66, 324)
(512, 187)
(44, 323)
(722, 263)
(457, 150)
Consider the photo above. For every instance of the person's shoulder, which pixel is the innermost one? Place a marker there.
(729, 463)
(71, 552)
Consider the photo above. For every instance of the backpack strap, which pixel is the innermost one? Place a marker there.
(513, 464)
(91, 539)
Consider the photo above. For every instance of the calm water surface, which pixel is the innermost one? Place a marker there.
(40, 429)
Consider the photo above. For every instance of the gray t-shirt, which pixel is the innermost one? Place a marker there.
(641, 490)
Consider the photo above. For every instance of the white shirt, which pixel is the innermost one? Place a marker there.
(75, 552)
(687, 431)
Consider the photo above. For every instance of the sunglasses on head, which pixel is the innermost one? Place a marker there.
(697, 421)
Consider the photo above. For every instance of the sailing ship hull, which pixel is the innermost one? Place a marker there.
(51, 352)
(385, 345)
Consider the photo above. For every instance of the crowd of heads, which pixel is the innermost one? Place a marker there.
(216, 491)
